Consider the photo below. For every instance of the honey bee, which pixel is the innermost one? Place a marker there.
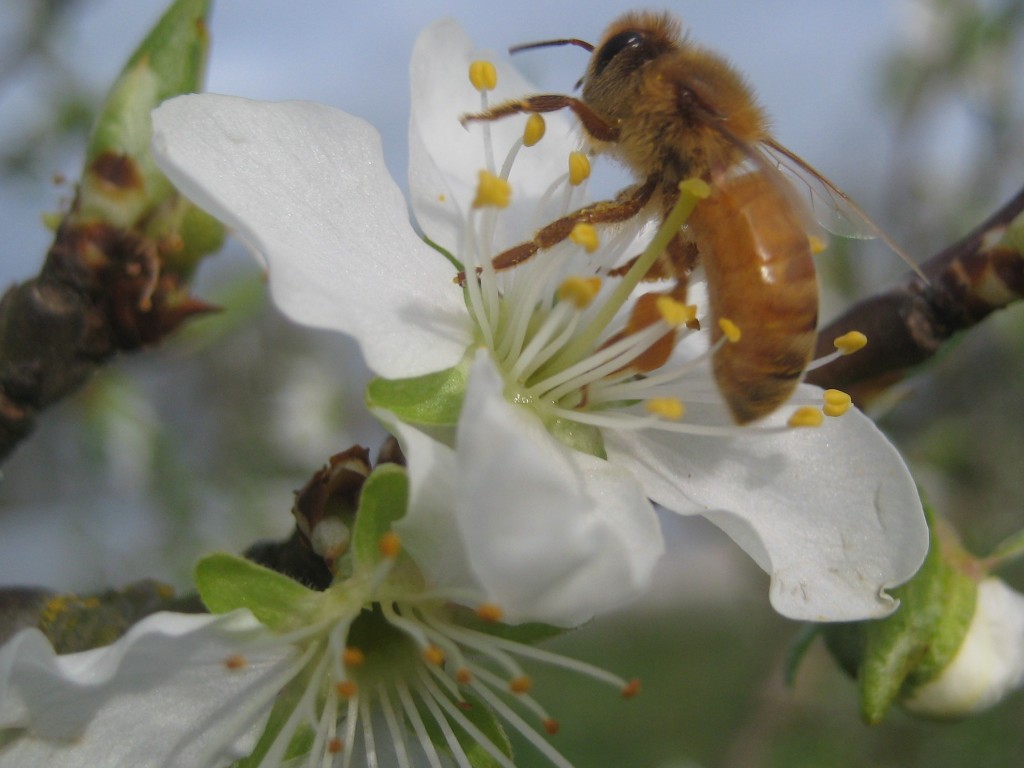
(671, 110)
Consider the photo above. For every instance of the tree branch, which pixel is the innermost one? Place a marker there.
(101, 290)
(905, 326)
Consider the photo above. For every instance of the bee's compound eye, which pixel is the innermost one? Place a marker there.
(616, 45)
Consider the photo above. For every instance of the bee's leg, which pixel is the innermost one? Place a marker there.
(678, 262)
(683, 253)
(595, 125)
(627, 204)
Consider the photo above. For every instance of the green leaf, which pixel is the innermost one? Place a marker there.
(434, 399)
(227, 582)
(383, 500)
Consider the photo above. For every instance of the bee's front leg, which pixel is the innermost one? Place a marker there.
(598, 127)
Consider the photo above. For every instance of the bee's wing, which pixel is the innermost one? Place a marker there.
(833, 209)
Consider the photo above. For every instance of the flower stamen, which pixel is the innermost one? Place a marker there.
(579, 168)
(585, 236)
(806, 416)
(666, 407)
(534, 131)
(730, 330)
(489, 612)
(484, 77)
(492, 191)
(847, 344)
(836, 402)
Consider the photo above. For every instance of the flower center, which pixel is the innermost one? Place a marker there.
(381, 652)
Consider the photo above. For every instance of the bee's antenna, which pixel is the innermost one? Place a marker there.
(546, 43)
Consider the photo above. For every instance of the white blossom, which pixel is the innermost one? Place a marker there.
(831, 513)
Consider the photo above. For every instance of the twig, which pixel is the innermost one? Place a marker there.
(100, 291)
(906, 325)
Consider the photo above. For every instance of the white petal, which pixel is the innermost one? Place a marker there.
(429, 530)
(552, 534)
(831, 513)
(445, 158)
(161, 695)
(990, 662)
(305, 186)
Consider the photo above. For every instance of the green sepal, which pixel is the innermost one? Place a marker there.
(196, 232)
(227, 582)
(382, 500)
(431, 400)
(894, 656)
(585, 438)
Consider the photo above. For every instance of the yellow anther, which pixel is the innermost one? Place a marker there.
(492, 191)
(837, 402)
(850, 342)
(521, 684)
(433, 655)
(806, 416)
(730, 329)
(552, 726)
(585, 235)
(675, 313)
(631, 689)
(335, 746)
(346, 689)
(353, 657)
(579, 168)
(236, 661)
(818, 244)
(579, 290)
(695, 188)
(670, 408)
(389, 545)
(483, 75)
(463, 676)
(489, 612)
(534, 131)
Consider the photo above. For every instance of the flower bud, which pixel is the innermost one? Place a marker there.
(989, 664)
